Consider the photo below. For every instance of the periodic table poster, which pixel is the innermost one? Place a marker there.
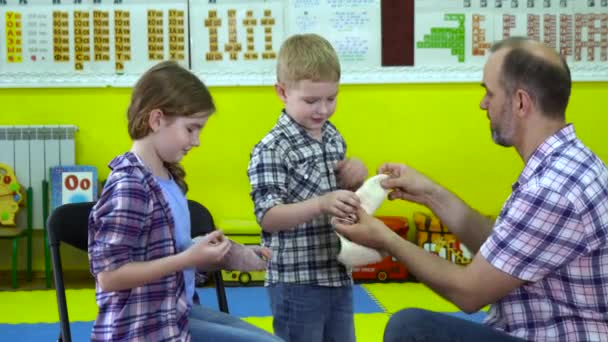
(54, 43)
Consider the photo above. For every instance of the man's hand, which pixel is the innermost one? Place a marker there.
(368, 231)
(406, 183)
(351, 173)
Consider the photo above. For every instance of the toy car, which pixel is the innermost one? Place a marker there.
(389, 269)
(243, 278)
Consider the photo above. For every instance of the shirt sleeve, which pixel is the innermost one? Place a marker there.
(538, 231)
(268, 178)
(116, 224)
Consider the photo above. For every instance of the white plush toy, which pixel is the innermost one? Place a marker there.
(371, 194)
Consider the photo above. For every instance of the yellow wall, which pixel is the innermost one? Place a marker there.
(436, 128)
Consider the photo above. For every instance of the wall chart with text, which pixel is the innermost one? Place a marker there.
(93, 43)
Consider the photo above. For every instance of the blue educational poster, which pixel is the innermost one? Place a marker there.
(73, 184)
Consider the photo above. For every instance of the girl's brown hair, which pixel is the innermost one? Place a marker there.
(176, 92)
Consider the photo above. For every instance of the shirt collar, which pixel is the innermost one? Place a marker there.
(127, 160)
(545, 149)
(292, 129)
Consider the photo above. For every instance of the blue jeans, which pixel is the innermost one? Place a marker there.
(421, 326)
(309, 313)
(211, 325)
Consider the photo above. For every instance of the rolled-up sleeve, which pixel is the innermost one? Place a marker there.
(268, 178)
(116, 224)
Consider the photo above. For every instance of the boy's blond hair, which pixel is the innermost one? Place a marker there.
(307, 57)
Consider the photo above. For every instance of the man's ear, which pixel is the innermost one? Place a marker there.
(523, 103)
(281, 91)
(155, 119)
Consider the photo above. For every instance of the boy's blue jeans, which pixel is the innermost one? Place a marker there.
(426, 326)
(207, 324)
(309, 313)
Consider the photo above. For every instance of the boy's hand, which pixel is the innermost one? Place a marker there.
(351, 173)
(208, 252)
(339, 203)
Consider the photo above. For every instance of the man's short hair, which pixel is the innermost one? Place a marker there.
(548, 83)
(307, 57)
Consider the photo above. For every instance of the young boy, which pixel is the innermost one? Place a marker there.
(300, 179)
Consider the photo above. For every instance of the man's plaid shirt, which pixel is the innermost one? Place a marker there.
(553, 233)
(288, 166)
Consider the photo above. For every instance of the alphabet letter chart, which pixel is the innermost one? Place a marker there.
(89, 42)
(456, 35)
(73, 184)
(236, 41)
(80, 43)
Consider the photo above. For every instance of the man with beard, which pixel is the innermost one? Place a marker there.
(543, 263)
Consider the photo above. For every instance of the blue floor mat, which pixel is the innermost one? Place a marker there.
(475, 317)
(81, 331)
(254, 302)
(242, 302)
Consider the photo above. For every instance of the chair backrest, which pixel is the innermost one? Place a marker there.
(69, 224)
(201, 221)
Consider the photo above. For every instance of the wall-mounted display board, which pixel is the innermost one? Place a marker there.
(48, 43)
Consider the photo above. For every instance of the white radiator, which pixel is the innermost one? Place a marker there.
(31, 150)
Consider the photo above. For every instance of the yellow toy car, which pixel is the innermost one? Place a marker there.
(243, 278)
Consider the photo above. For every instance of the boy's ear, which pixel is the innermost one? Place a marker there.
(279, 88)
(155, 119)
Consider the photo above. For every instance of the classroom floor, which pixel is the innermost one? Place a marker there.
(31, 315)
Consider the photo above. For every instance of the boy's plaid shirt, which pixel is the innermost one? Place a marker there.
(288, 166)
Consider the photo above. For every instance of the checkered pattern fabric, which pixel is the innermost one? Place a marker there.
(289, 166)
(552, 232)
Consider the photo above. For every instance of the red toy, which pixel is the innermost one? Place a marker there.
(389, 269)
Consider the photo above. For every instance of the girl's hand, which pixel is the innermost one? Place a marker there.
(246, 258)
(208, 252)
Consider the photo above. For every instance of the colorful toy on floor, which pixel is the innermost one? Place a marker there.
(10, 195)
(389, 269)
(435, 238)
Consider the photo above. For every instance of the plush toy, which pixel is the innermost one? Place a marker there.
(371, 195)
(10, 195)
(244, 258)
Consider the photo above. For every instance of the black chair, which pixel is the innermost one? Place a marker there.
(69, 224)
(201, 223)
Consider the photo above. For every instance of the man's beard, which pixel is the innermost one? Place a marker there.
(498, 134)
